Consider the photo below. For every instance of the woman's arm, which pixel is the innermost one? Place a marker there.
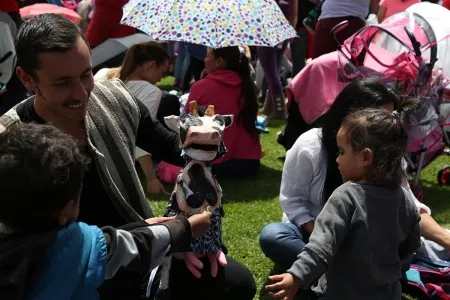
(154, 186)
(297, 175)
(431, 230)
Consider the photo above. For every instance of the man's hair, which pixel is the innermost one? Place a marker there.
(45, 33)
(41, 170)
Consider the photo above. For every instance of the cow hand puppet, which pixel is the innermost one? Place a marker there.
(196, 189)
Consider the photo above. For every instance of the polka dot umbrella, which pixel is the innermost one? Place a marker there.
(213, 23)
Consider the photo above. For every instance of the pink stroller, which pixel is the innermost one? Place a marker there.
(409, 52)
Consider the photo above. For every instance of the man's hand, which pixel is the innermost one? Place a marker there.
(159, 220)
(200, 224)
(154, 186)
(286, 287)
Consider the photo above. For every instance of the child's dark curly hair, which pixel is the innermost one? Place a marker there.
(384, 134)
(41, 170)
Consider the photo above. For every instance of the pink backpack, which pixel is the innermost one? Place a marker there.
(427, 279)
(168, 173)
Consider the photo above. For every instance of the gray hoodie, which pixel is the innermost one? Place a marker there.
(359, 239)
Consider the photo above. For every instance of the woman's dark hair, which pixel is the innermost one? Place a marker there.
(139, 54)
(41, 170)
(359, 94)
(237, 62)
(382, 133)
(45, 33)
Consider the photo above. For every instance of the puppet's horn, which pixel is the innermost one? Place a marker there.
(193, 109)
(210, 111)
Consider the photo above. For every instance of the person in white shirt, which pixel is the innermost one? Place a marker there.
(144, 65)
(311, 174)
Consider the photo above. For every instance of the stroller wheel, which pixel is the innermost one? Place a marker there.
(444, 176)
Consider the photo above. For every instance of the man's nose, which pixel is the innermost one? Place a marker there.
(79, 91)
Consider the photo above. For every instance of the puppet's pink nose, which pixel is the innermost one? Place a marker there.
(202, 135)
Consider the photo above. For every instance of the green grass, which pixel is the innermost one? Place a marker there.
(250, 204)
(166, 84)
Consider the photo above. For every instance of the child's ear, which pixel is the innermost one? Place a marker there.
(367, 157)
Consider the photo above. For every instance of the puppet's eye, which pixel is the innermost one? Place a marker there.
(184, 119)
(219, 120)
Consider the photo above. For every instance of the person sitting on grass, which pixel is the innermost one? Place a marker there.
(44, 252)
(228, 87)
(368, 226)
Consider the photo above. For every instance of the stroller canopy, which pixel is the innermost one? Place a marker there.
(408, 51)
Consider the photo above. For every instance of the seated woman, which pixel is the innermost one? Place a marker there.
(229, 88)
(144, 65)
(311, 174)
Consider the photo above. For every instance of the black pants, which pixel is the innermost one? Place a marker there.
(235, 282)
(195, 69)
(295, 127)
(235, 168)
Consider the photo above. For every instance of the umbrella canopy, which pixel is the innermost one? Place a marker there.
(112, 47)
(213, 23)
(30, 11)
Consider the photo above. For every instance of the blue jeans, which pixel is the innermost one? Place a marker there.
(282, 242)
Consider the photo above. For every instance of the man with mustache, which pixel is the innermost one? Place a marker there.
(54, 61)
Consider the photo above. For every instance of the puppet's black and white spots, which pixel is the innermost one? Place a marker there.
(211, 242)
(196, 189)
(200, 136)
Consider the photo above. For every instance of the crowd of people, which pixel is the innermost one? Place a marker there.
(74, 218)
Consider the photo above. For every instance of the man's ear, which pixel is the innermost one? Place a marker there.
(27, 80)
(367, 157)
(228, 120)
(173, 122)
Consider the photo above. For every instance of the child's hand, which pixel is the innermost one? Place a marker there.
(287, 286)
